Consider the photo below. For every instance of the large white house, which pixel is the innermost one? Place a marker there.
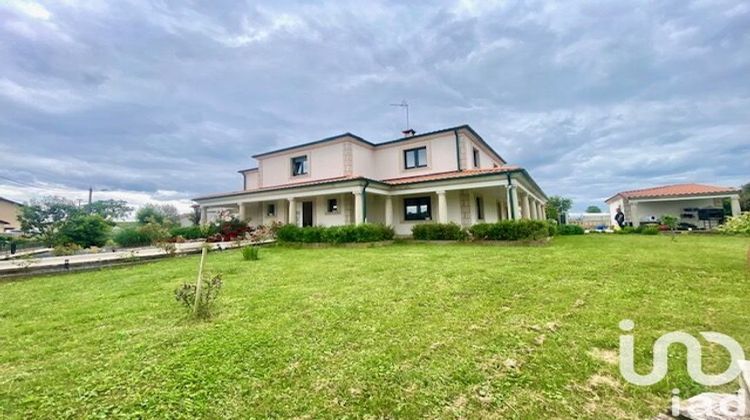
(449, 175)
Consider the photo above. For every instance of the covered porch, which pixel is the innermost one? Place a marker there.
(400, 205)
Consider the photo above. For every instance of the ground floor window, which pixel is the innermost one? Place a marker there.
(480, 208)
(333, 205)
(417, 208)
(271, 210)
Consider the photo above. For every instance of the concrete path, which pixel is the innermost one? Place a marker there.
(30, 266)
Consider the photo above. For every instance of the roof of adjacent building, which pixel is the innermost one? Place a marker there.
(677, 190)
(10, 201)
(441, 176)
(361, 140)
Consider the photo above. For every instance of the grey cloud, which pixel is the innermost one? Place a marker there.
(591, 97)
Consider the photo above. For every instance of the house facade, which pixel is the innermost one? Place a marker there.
(694, 205)
(9, 212)
(449, 175)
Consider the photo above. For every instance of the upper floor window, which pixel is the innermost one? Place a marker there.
(476, 158)
(415, 158)
(299, 165)
(417, 208)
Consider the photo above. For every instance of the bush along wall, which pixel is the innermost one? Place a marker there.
(439, 232)
(511, 230)
(570, 230)
(334, 234)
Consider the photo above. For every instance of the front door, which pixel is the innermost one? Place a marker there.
(307, 213)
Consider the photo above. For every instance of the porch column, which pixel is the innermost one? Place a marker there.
(388, 211)
(358, 209)
(442, 207)
(513, 204)
(534, 210)
(243, 212)
(291, 215)
(634, 214)
(736, 209)
(526, 205)
(204, 215)
(544, 211)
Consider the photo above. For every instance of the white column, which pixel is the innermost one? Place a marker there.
(736, 209)
(513, 204)
(526, 205)
(243, 212)
(291, 216)
(358, 209)
(204, 215)
(442, 207)
(534, 210)
(634, 215)
(543, 210)
(388, 211)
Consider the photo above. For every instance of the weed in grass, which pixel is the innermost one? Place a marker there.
(250, 253)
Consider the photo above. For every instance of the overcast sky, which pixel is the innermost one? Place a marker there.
(167, 100)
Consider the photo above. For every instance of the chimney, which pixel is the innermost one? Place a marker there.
(409, 132)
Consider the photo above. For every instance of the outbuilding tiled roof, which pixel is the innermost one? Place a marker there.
(677, 190)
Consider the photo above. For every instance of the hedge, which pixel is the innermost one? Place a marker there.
(439, 232)
(570, 230)
(335, 234)
(511, 230)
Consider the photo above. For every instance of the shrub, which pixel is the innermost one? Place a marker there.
(190, 232)
(570, 230)
(185, 295)
(439, 232)
(626, 230)
(334, 234)
(67, 249)
(148, 234)
(85, 231)
(250, 253)
(737, 225)
(649, 230)
(551, 227)
(511, 230)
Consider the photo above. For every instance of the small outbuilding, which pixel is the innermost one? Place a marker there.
(696, 206)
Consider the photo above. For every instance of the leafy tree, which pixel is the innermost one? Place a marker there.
(44, 218)
(671, 222)
(745, 197)
(109, 209)
(593, 209)
(86, 230)
(558, 206)
(195, 216)
(161, 214)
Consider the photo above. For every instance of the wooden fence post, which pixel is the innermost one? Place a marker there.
(199, 282)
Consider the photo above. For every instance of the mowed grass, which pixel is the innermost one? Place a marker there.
(415, 330)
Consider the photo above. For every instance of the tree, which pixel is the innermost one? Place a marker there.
(160, 214)
(44, 218)
(558, 206)
(109, 209)
(745, 197)
(86, 230)
(671, 222)
(195, 216)
(593, 209)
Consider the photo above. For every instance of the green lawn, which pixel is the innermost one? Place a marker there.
(401, 331)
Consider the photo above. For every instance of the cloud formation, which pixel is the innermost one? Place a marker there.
(592, 97)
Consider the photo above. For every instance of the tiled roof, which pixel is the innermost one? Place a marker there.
(449, 175)
(675, 191)
(392, 181)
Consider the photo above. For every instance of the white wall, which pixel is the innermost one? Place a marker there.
(441, 156)
(324, 161)
(648, 211)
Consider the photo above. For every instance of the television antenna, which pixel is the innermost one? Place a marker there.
(404, 105)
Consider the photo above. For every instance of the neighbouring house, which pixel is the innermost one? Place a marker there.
(589, 220)
(695, 205)
(9, 212)
(449, 175)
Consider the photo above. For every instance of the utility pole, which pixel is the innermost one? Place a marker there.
(91, 193)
